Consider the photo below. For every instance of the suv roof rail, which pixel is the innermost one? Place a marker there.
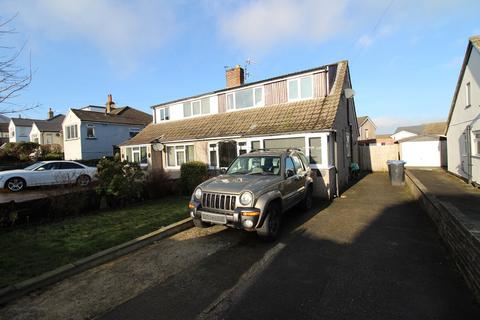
(268, 149)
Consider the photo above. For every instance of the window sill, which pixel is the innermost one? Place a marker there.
(72, 139)
(90, 138)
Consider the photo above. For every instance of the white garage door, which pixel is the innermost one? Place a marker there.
(421, 153)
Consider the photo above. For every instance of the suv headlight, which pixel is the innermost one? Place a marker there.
(246, 198)
(198, 194)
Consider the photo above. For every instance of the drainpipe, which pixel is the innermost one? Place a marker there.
(469, 153)
(335, 161)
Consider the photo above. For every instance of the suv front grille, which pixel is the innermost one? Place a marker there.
(219, 201)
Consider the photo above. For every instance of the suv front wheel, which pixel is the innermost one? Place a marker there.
(271, 226)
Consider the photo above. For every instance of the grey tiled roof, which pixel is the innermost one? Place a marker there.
(124, 115)
(434, 128)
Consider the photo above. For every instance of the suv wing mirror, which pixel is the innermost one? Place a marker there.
(290, 173)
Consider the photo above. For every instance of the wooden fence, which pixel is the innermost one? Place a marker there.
(374, 158)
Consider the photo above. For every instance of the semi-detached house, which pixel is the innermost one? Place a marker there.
(313, 110)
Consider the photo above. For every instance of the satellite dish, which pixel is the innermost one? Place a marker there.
(349, 93)
(157, 147)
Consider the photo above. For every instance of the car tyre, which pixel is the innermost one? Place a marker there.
(271, 226)
(200, 224)
(307, 200)
(83, 180)
(15, 184)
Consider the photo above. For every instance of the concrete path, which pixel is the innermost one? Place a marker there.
(453, 190)
(372, 254)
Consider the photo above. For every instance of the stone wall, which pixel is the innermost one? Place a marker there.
(457, 231)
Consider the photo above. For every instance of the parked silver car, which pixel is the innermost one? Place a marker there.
(255, 191)
(45, 173)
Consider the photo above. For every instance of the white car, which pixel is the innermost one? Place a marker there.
(47, 173)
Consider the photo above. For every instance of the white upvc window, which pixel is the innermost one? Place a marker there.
(300, 88)
(164, 114)
(179, 154)
(196, 107)
(468, 95)
(137, 154)
(72, 132)
(476, 143)
(245, 98)
(90, 131)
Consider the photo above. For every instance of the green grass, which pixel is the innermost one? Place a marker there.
(31, 251)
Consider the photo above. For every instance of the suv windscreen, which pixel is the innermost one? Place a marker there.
(268, 165)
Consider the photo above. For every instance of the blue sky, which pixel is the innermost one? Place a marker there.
(404, 56)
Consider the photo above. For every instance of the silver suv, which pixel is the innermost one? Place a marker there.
(255, 191)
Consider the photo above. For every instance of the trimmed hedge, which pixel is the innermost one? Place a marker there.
(192, 174)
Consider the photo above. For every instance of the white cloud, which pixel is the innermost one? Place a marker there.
(261, 25)
(122, 31)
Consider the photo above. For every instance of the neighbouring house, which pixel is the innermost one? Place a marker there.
(463, 130)
(422, 145)
(313, 110)
(48, 131)
(384, 139)
(367, 129)
(93, 132)
(19, 129)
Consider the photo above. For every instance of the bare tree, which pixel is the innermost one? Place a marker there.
(13, 78)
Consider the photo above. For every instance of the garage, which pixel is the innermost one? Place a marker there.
(424, 151)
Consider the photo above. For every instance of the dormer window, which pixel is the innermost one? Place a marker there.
(164, 114)
(196, 108)
(300, 88)
(245, 98)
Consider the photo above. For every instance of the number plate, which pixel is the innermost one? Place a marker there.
(214, 218)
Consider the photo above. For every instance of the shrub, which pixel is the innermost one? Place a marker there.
(159, 184)
(119, 182)
(192, 174)
(19, 150)
(51, 148)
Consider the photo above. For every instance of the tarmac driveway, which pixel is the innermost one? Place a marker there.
(372, 254)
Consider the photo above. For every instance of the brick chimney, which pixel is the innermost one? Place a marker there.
(235, 76)
(110, 104)
(50, 113)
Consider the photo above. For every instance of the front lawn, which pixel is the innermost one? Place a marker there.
(30, 251)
